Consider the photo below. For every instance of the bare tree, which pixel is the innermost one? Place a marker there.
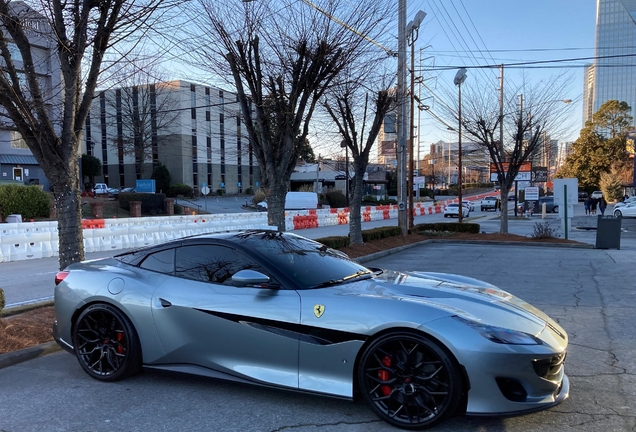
(282, 60)
(345, 105)
(144, 107)
(528, 113)
(80, 33)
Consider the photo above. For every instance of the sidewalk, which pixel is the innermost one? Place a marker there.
(584, 228)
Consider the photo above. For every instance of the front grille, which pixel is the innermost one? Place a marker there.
(549, 368)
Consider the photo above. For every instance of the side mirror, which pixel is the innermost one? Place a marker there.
(244, 278)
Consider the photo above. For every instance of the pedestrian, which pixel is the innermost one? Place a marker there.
(588, 205)
(498, 206)
(594, 204)
(602, 205)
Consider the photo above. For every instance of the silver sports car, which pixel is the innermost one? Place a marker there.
(281, 310)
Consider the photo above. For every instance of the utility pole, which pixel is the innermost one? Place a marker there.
(503, 225)
(401, 94)
(411, 183)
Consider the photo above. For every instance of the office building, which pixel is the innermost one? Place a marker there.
(612, 76)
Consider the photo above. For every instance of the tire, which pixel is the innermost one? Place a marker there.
(106, 343)
(445, 215)
(555, 209)
(618, 213)
(409, 380)
(482, 209)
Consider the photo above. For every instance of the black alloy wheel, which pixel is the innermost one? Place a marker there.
(106, 343)
(409, 380)
(555, 209)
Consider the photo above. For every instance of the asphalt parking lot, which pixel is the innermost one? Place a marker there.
(590, 292)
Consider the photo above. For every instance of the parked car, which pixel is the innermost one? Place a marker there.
(100, 189)
(550, 206)
(597, 195)
(274, 308)
(583, 196)
(623, 203)
(511, 196)
(470, 205)
(114, 192)
(488, 203)
(628, 210)
(452, 210)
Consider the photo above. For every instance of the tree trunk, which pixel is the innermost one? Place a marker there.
(276, 206)
(503, 225)
(355, 209)
(69, 214)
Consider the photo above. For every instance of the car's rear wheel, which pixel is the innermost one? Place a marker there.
(617, 213)
(106, 343)
(409, 380)
(555, 209)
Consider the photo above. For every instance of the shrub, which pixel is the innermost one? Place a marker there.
(28, 201)
(2, 303)
(180, 189)
(380, 233)
(178, 209)
(334, 242)
(336, 199)
(220, 192)
(369, 198)
(471, 228)
(306, 188)
(543, 230)
(150, 203)
(259, 196)
(161, 175)
(249, 191)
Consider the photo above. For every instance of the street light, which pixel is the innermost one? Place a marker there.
(460, 77)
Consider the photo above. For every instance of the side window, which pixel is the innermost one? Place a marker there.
(162, 261)
(211, 263)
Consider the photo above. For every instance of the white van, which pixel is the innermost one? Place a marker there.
(298, 201)
(100, 189)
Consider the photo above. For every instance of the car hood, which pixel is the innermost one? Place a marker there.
(455, 295)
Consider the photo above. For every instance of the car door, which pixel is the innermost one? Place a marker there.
(203, 320)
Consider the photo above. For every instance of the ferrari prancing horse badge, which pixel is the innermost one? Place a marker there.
(319, 310)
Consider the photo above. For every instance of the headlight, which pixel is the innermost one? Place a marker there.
(500, 335)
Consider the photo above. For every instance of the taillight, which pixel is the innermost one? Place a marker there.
(59, 277)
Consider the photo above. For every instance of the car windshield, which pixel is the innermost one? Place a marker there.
(309, 263)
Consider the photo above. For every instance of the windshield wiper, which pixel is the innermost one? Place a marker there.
(356, 275)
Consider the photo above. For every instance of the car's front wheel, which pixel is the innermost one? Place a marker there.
(555, 209)
(409, 380)
(618, 213)
(106, 343)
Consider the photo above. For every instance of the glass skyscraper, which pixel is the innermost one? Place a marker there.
(612, 76)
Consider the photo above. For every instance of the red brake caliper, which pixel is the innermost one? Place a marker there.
(120, 349)
(384, 376)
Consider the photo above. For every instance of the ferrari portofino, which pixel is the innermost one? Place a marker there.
(281, 310)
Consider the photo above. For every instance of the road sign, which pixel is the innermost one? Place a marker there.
(532, 193)
(205, 190)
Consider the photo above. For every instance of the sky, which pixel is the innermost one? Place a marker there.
(512, 32)
(491, 32)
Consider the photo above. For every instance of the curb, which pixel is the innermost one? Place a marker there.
(16, 357)
(6, 312)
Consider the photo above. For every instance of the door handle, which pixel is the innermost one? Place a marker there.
(164, 303)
